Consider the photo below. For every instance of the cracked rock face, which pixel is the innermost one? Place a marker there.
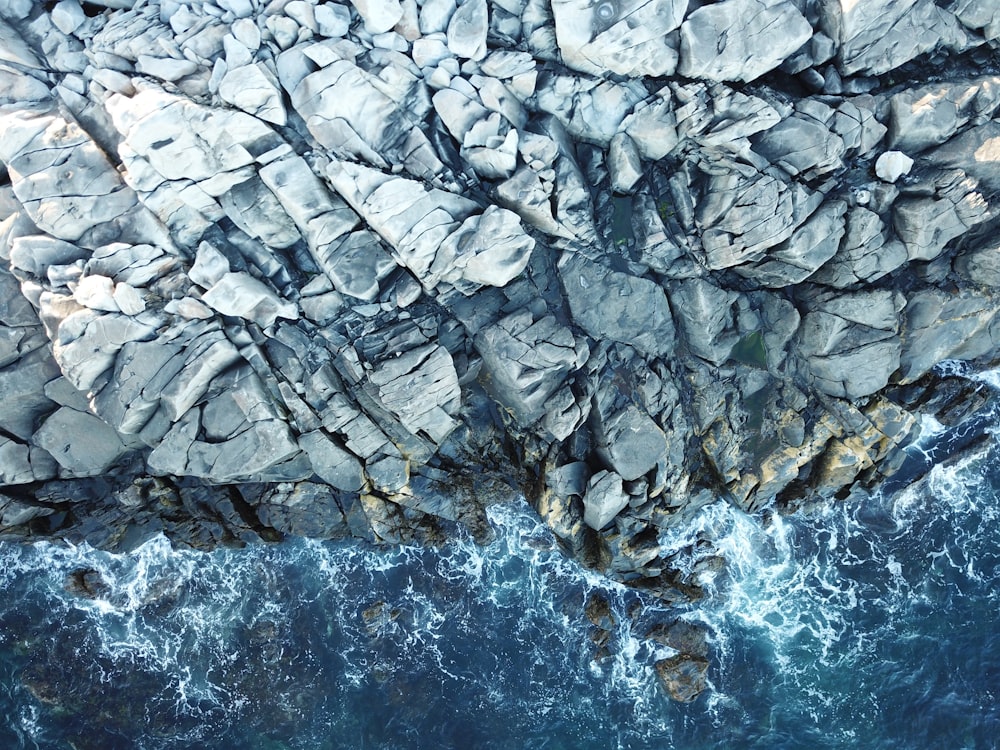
(364, 268)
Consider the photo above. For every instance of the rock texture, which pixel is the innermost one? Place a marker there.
(330, 269)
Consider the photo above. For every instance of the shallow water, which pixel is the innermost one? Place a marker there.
(869, 624)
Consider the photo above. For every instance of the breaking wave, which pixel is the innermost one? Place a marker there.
(868, 623)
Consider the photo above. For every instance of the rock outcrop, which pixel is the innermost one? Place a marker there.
(331, 269)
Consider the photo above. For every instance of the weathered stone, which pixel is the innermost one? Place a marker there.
(467, 30)
(864, 253)
(81, 443)
(435, 234)
(526, 361)
(850, 343)
(684, 677)
(242, 295)
(740, 40)
(803, 144)
(926, 116)
(421, 388)
(379, 15)
(880, 35)
(809, 247)
(332, 464)
(347, 111)
(743, 213)
(254, 89)
(632, 310)
(624, 163)
(705, 316)
(631, 443)
(938, 326)
(981, 266)
(627, 37)
(892, 165)
(603, 500)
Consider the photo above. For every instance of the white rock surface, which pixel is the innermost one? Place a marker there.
(242, 295)
(379, 15)
(892, 165)
(254, 89)
(467, 30)
(740, 40)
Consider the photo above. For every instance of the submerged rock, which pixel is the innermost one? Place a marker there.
(684, 677)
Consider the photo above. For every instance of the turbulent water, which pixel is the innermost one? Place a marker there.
(870, 624)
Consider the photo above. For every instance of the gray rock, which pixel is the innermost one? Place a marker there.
(256, 211)
(68, 16)
(744, 213)
(979, 15)
(892, 165)
(421, 388)
(204, 358)
(927, 225)
(379, 15)
(242, 295)
(624, 163)
(705, 316)
(976, 152)
(142, 371)
(589, 109)
(877, 36)
(436, 234)
(981, 266)
(467, 30)
(684, 676)
(128, 299)
(332, 464)
(809, 247)
(627, 37)
(938, 326)
(803, 144)
(568, 479)
(850, 343)
(631, 443)
(306, 509)
(14, 513)
(22, 396)
(526, 361)
(652, 126)
(629, 309)
(926, 116)
(389, 474)
(81, 443)
(864, 253)
(603, 500)
(66, 185)
(719, 117)
(347, 112)
(740, 40)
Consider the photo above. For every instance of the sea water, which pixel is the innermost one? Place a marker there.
(871, 623)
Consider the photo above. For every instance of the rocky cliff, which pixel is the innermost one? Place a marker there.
(329, 269)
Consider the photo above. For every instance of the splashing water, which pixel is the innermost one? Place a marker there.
(869, 623)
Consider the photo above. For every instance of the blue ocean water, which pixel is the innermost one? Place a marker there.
(868, 624)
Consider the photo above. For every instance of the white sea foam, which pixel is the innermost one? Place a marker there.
(502, 621)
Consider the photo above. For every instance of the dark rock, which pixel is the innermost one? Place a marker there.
(682, 636)
(684, 677)
(87, 583)
(598, 611)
